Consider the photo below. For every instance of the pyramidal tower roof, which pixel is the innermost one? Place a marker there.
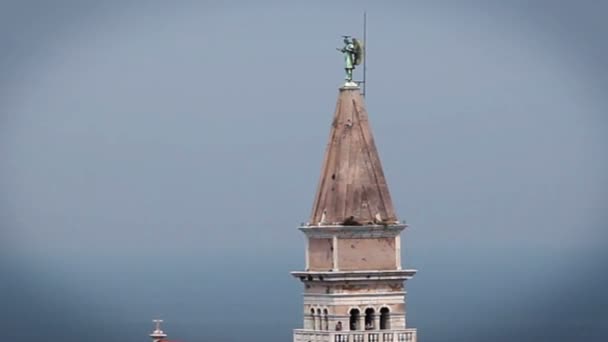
(352, 189)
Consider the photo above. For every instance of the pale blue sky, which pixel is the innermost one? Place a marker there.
(158, 158)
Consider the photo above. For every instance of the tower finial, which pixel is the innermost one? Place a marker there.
(353, 55)
(157, 335)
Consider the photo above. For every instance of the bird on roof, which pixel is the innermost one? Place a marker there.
(378, 218)
(323, 217)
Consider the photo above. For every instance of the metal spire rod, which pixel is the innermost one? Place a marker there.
(365, 58)
(157, 329)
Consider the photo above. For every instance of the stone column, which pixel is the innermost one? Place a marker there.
(376, 321)
(306, 255)
(397, 321)
(335, 253)
(361, 321)
(398, 251)
(404, 311)
(307, 324)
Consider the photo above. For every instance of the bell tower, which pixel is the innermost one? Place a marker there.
(354, 284)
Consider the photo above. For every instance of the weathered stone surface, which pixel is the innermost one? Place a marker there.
(352, 188)
(320, 254)
(366, 254)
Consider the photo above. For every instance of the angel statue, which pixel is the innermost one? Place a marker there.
(353, 55)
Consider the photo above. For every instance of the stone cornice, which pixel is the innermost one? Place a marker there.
(356, 295)
(366, 231)
(342, 276)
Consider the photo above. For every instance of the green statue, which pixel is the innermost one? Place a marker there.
(353, 55)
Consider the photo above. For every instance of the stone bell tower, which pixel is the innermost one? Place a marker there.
(354, 285)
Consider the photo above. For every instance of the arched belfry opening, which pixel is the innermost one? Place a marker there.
(354, 319)
(325, 320)
(312, 319)
(369, 319)
(320, 320)
(385, 321)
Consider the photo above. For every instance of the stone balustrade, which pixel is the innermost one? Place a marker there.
(393, 335)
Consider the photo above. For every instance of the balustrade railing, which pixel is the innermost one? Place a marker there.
(397, 335)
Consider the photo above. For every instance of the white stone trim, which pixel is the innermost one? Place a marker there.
(385, 305)
(397, 251)
(369, 307)
(371, 301)
(343, 295)
(307, 257)
(335, 267)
